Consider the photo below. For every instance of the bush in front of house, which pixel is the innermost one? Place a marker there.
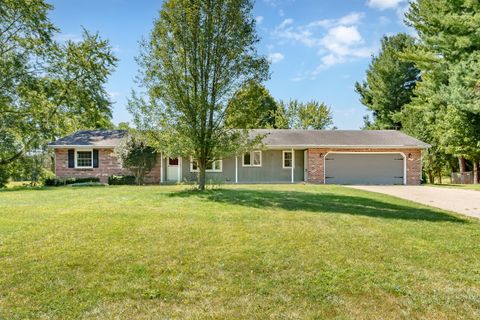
(56, 182)
(137, 156)
(121, 180)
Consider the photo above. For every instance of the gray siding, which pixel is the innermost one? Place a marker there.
(227, 174)
(270, 171)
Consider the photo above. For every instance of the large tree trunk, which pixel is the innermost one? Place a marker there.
(202, 165)
(463, 168)
(476, 165)
(431, 178)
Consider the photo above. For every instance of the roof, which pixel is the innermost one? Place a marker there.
(92, 138)
(274, 138)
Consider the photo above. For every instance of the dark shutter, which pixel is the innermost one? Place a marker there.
(71, 158)
(95, 158)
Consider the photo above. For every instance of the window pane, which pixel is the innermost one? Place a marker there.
(287, 160)
(209, 166)
(246, 159)
(173, 161)
(217, 165)
(194, 165)
(84, 158)
(257, 158)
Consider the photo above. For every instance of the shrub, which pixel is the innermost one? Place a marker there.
(135, 155)
(55, 182)
(121, 180)
(87, 184)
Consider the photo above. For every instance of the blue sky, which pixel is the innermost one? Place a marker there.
(318, 48)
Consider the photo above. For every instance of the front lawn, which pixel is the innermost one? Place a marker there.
(279, 252)
(461, 186)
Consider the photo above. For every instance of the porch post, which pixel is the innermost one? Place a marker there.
(293, 165)
(236, 169)
(161, 167)
(179, 176)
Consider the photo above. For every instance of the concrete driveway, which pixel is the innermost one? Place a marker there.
(466, 202)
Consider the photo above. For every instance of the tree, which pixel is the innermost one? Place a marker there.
(389, 84)
(47, 88)
(299, 115)
(135, 155)
(448, 55)
(251, 107)
(200, 53)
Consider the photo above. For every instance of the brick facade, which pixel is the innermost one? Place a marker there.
(107, 166)
(316, 162)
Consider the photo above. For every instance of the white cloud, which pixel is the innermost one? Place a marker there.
(275, 57)
(336, 40)
(259, 19)
(352, 18)
(384, 4)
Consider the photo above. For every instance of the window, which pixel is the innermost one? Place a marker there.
(173, 162)
(84, 159)
(214, 166)
(252, 159)
(287, 159)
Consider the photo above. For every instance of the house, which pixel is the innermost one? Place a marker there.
(316, 156)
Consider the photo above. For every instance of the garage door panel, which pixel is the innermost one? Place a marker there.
(364, 169)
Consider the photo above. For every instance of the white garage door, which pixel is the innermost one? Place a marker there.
(364, 168)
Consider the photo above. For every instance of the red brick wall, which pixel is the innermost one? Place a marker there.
(108, 165)
(316, 162)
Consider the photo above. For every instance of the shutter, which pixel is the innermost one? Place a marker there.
(95, 158)
(71, 158)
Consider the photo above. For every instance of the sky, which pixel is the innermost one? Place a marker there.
(318, 49)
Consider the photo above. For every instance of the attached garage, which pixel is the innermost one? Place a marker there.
(365, 168)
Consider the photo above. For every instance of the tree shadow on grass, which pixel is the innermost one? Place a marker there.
(321, 202)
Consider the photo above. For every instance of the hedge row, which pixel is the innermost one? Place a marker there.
(121, 180)
(55, 182)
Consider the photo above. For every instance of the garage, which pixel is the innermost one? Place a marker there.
(365, 168)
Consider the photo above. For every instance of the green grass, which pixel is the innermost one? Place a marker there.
(460, 186)
(279, 252)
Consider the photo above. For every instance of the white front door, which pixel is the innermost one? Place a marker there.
(305, 165)
(172, 169)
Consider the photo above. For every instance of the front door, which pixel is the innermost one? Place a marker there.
(172, 169)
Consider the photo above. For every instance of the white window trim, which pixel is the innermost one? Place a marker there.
(251, 159)
(283, 159)
(208, 170)
(83, 150)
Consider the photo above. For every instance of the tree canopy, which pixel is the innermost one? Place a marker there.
(251, 107)
(300, 115)
(199, 54)
(389, 83)
(47, 88)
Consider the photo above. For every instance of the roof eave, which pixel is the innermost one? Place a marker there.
(62, 146)
(348, 146)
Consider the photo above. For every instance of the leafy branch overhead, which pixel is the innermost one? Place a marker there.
(47, 88)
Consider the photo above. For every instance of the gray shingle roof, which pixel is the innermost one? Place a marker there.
(94, 138)
(274, 138)
(337, 138)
